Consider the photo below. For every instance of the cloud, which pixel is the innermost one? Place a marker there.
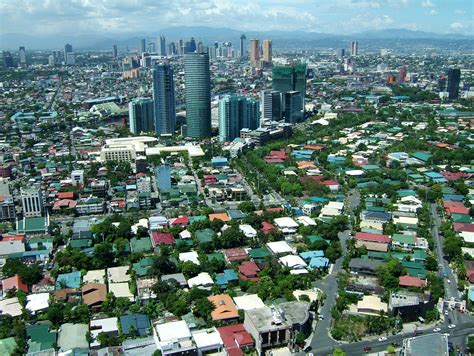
(456, 26)
(432, 12)
(427, 4)
(459, 12)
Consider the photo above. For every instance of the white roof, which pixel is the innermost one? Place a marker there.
(94, 276)
(189, 256)
(299, 271)
(121, 290)
(207, 338)
(142, 222)
(293, 261)
(468, 250)
(405, 220)
(105, 325)
(285, 222)
(248, 230)
(335, 205)
(467, 236)
(185, 234)
(37, 302)
(306, 221)
(278, 247)
(193, 150)
(174, 330)
(202, 279)
(355, 172)
(10, 306)
(329, 212)
(118, 274)
(249, 302)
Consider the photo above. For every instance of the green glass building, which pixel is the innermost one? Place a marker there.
(198, 95)
(290, 78)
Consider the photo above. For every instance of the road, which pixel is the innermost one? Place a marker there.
(451, 290)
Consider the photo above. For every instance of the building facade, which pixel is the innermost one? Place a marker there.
(164, 99)
(293, 107)
(254, 52)
(141, 118)
(454, 78)
(32, 202)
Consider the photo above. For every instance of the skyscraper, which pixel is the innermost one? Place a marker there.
(115, 53)
(340, 53)
(267, 52)
(191, 46)
(164, 99)
(454, 78)
(140, 113)
(254, 53)
(162, 47)
(354, 48)
(293, 107)
(290, 78)
(142, 45)
(67, 49)
(198, 95)
(242, 50)
(7, 59)
(235, 113)
(271, 105)
(22, 56)
(402, 73)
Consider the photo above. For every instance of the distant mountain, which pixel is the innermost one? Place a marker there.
(95, 41)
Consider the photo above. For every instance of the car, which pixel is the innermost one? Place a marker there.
(382, 338)
(321, 317)
(367, 349)
(449, 281)
(458, 348)
(436, 330)
(446, 312)
(309, 348)
(451, 326)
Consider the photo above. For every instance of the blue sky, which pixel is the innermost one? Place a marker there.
(45, 17)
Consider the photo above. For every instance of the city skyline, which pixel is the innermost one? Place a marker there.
(336, 17)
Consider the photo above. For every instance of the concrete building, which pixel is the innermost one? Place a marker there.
(426, 345)
(267, 53)
(141, 117)
(271, 105)
(32, 202)
(254, 52)
(125, 152)
(77, 177)
(174, 338)
(236, 113)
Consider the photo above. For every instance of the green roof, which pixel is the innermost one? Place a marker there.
(370, 167)
(259, 253)
(405, 192)
(141, 245)
(422, 156)
(7, 346)
(461, 218)
(216, 256)
(32, 224)
(40, 337)
(404, 239)
(141, 267)
(376, 208)
(205, 236)
(80, 243)
(376, 255)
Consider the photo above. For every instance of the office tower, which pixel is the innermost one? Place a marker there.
(67, 49)
(290, 78)
(151, 48)
(254, 53)
(198, 95)
(200, 47)
(142, 45)
(115, 52)
(32, 202)
(212, 52)
(293, 107)
(180, 47)
(141, 118)
(57, 56)
(7, 59)
(235, 113)
(22, 56)
(164, 99)
(340, 53)
(162, 46)
(70, 59)
(242, 39)
(267, 52)
(442, 83)
(191, 47)
(354, 48)
(146, 60)
(163, 177)
(271, 105)
(454, 78)
(402, 73)
(51, 60)
(171, 49)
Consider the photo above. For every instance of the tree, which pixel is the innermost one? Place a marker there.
(29, 274)
(103, 255)
(107, 340)
(203, 308)
(338, 352)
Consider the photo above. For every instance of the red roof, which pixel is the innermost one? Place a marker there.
(454, 175)
(14, 282)
(329, 182)
(235, 254)
(409, 281)
(162, 238)
(463, 227)
(455, 207)
(266, 227)
(275, 210)
(364, 236)
(180, 220)
(249, 269)
(13, 238)
(235, 337)
(65, 195)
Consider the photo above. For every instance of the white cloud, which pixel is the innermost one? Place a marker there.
(427, 4)
(456, 26)
(459, 12)
(432, 12)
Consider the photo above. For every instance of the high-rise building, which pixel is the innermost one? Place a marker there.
(340, 53)
(271, 105)
(290, 78)
(191, 46)
(151, 48)
(67, 49)
(141, 118)
(267, 52)
(454, 78)
(354, 48)
(171, 49)
(293, 107)
(402, 73)
(180, 47)
(70, 59)
(115, 52)
(236, 113)
(242, 50)
(32, 202)
(142, 45)
(200, 47)
(442, 83)
(163, 177)
(164, 99)
(162, 47)
(254, 53)
(211, 50)
(7, 59)
(198, 95)
(22, 56)
(57, 57)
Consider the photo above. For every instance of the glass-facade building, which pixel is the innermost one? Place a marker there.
(235, 113)
(140, 114)
(198, 95)
(164, 99)
(290, 78)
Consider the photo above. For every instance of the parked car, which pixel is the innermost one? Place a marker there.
(382, 338)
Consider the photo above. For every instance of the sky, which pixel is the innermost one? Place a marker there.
(49, 17)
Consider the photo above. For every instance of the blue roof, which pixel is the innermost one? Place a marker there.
(318, 200)
(230, 275)
(319, 262)
(400, 97)
(71, 280)
(471, 294)
(219, 160)
(453, 197)
(434, 175)
(140, 322)
(221, 280)
(307, 255)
